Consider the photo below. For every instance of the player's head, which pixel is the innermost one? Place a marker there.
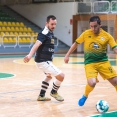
(95, 24)
(51, 22)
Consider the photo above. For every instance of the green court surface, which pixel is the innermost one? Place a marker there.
(6, 75)
(108, 114)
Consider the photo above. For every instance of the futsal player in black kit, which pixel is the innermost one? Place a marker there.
(44, 51)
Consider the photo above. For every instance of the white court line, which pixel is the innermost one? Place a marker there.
(15, 61)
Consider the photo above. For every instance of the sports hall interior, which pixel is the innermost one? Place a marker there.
(20, 83)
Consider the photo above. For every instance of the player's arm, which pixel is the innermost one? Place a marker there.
(113, 44)
(32, 51)
(73, 47)
(115, 50)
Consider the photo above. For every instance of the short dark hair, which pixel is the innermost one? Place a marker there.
(50, 17)
(95, 18)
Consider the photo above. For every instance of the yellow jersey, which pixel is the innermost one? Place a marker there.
(95, 45)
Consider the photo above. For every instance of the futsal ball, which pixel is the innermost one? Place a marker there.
(102, 106)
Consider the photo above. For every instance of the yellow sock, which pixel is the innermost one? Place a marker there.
(88, 89)
(115, 87)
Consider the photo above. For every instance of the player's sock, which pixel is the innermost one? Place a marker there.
(88, 89)
(56, 85)
(44, 86)
(82, 100)
(115, 87)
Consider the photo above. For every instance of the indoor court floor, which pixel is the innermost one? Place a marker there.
(20, 85)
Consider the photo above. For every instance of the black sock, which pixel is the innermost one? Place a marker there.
(44, 87)
(42, 93)
(54, 89)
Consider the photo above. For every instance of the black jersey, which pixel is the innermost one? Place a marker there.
(46, 51)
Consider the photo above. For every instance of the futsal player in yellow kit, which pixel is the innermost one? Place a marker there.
(95, 56)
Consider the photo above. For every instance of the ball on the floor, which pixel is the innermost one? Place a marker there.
(102, 106)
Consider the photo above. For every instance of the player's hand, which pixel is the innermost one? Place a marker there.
(27, 58)
(66, 59)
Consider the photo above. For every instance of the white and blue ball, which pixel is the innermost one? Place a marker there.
(102, 106)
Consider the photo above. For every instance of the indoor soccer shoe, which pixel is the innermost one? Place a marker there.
(43, 98)
(82, 100)
(57, 97)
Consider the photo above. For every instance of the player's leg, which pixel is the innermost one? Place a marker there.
(44, 87)
(50, 69)
(56, 85)
(113, 81)
(45, 83)
(54, 71)
(91, 74)
(108, 73)
(88, 88)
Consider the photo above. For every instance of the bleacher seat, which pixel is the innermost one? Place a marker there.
(20, 33)
(17, 24)
(10, 40)
(14, 39)
(4, 23)
(11, 33)
(3, 29)
(7, 33)
(25, 29)
(5, 40)
(13, 23)
(22, 24)
(16, 33)
(17, 29)
(21, 29)
(29, 29)
(2, 34)
(1, 24)
(9, 24)
(9, 28)
(12, 29)
(24, 33)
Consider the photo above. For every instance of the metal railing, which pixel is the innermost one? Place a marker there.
(9, 41)
(114, 7)
(101, 7)
(20, 41)
(97, 7)
(24, 41)
(84, 8)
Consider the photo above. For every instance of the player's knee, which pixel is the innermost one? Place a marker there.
(60, 77)
(92, 83)
(115, 81)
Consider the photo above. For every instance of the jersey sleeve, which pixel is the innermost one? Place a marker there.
(41, 37)
(112, 42)
(80, 39)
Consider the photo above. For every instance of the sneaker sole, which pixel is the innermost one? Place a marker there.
(44, 100)
(57, 99)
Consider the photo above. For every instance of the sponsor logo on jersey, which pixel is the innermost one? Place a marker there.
(52, 41)
(102, 38)
(51, 50)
